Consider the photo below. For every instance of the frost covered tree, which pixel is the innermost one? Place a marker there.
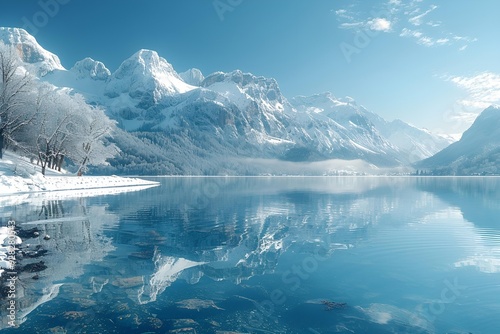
(15, 85)
(89, 144)
(49, 123)
(66, 127)
(48, 136)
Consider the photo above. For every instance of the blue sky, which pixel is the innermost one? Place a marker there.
(434, 64)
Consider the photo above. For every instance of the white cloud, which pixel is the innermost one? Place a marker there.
(380, 24)
(421, 38)
(464, 39)
(342, 13)
(442, 41)
(434, 24)
(407, 16)
(483, 89)
(352, 25)
(417, 20)
(410, 33)
(427, 41)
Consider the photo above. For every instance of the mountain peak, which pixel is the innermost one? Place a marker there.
(90, 68)
(348, 100)
(147, 56)
(486, 125)
(491, 111)
(489, 114)
(146, 76)
(30, 51)
(145, 62)
(15, 35)
(315, 100)
(477, 150)
(323, 101)
(242, 79)
(245, 88)
(192, 77)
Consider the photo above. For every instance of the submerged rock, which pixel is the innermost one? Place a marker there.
(129, 320)
(182, 323)
(121, 307)
(129, 282)
(34, 267)
(187, 330)
(57, 330)
(154, 323)
(197, 304)
(73, 315)
(329, 305)
(28, 234)
(84, 302)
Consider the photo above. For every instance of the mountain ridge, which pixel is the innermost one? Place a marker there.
(234, 115)
(477, 152)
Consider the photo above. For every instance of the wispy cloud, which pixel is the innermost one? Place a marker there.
(343, 13)
(482, 89)
(409, 18)
(352, 25)
(418, 19)
(423, 39)
(434, 24)
(350, 18)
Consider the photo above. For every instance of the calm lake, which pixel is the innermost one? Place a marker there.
(264, 255)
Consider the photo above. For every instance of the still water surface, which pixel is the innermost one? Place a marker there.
(266, 255)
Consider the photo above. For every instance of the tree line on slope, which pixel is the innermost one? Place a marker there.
(49, 124)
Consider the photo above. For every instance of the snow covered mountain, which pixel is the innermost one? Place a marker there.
(88, 68)
(413, 144)
(189, 123)
(30, 51)
(193, 77)
(146, 76)
(477, 152)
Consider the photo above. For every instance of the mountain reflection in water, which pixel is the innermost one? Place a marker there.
(250, 255)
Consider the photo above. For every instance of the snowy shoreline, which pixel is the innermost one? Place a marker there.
(21, 181)
(19, 176)
(15, 185)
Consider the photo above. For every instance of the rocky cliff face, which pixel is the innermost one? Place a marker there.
(30, 51)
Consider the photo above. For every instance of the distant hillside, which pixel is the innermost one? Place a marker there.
(476, 153)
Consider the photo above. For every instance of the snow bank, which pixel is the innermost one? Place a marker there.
(39, 198)
(17, 175)
(16, 184)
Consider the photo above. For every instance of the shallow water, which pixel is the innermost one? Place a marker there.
(264, 255)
